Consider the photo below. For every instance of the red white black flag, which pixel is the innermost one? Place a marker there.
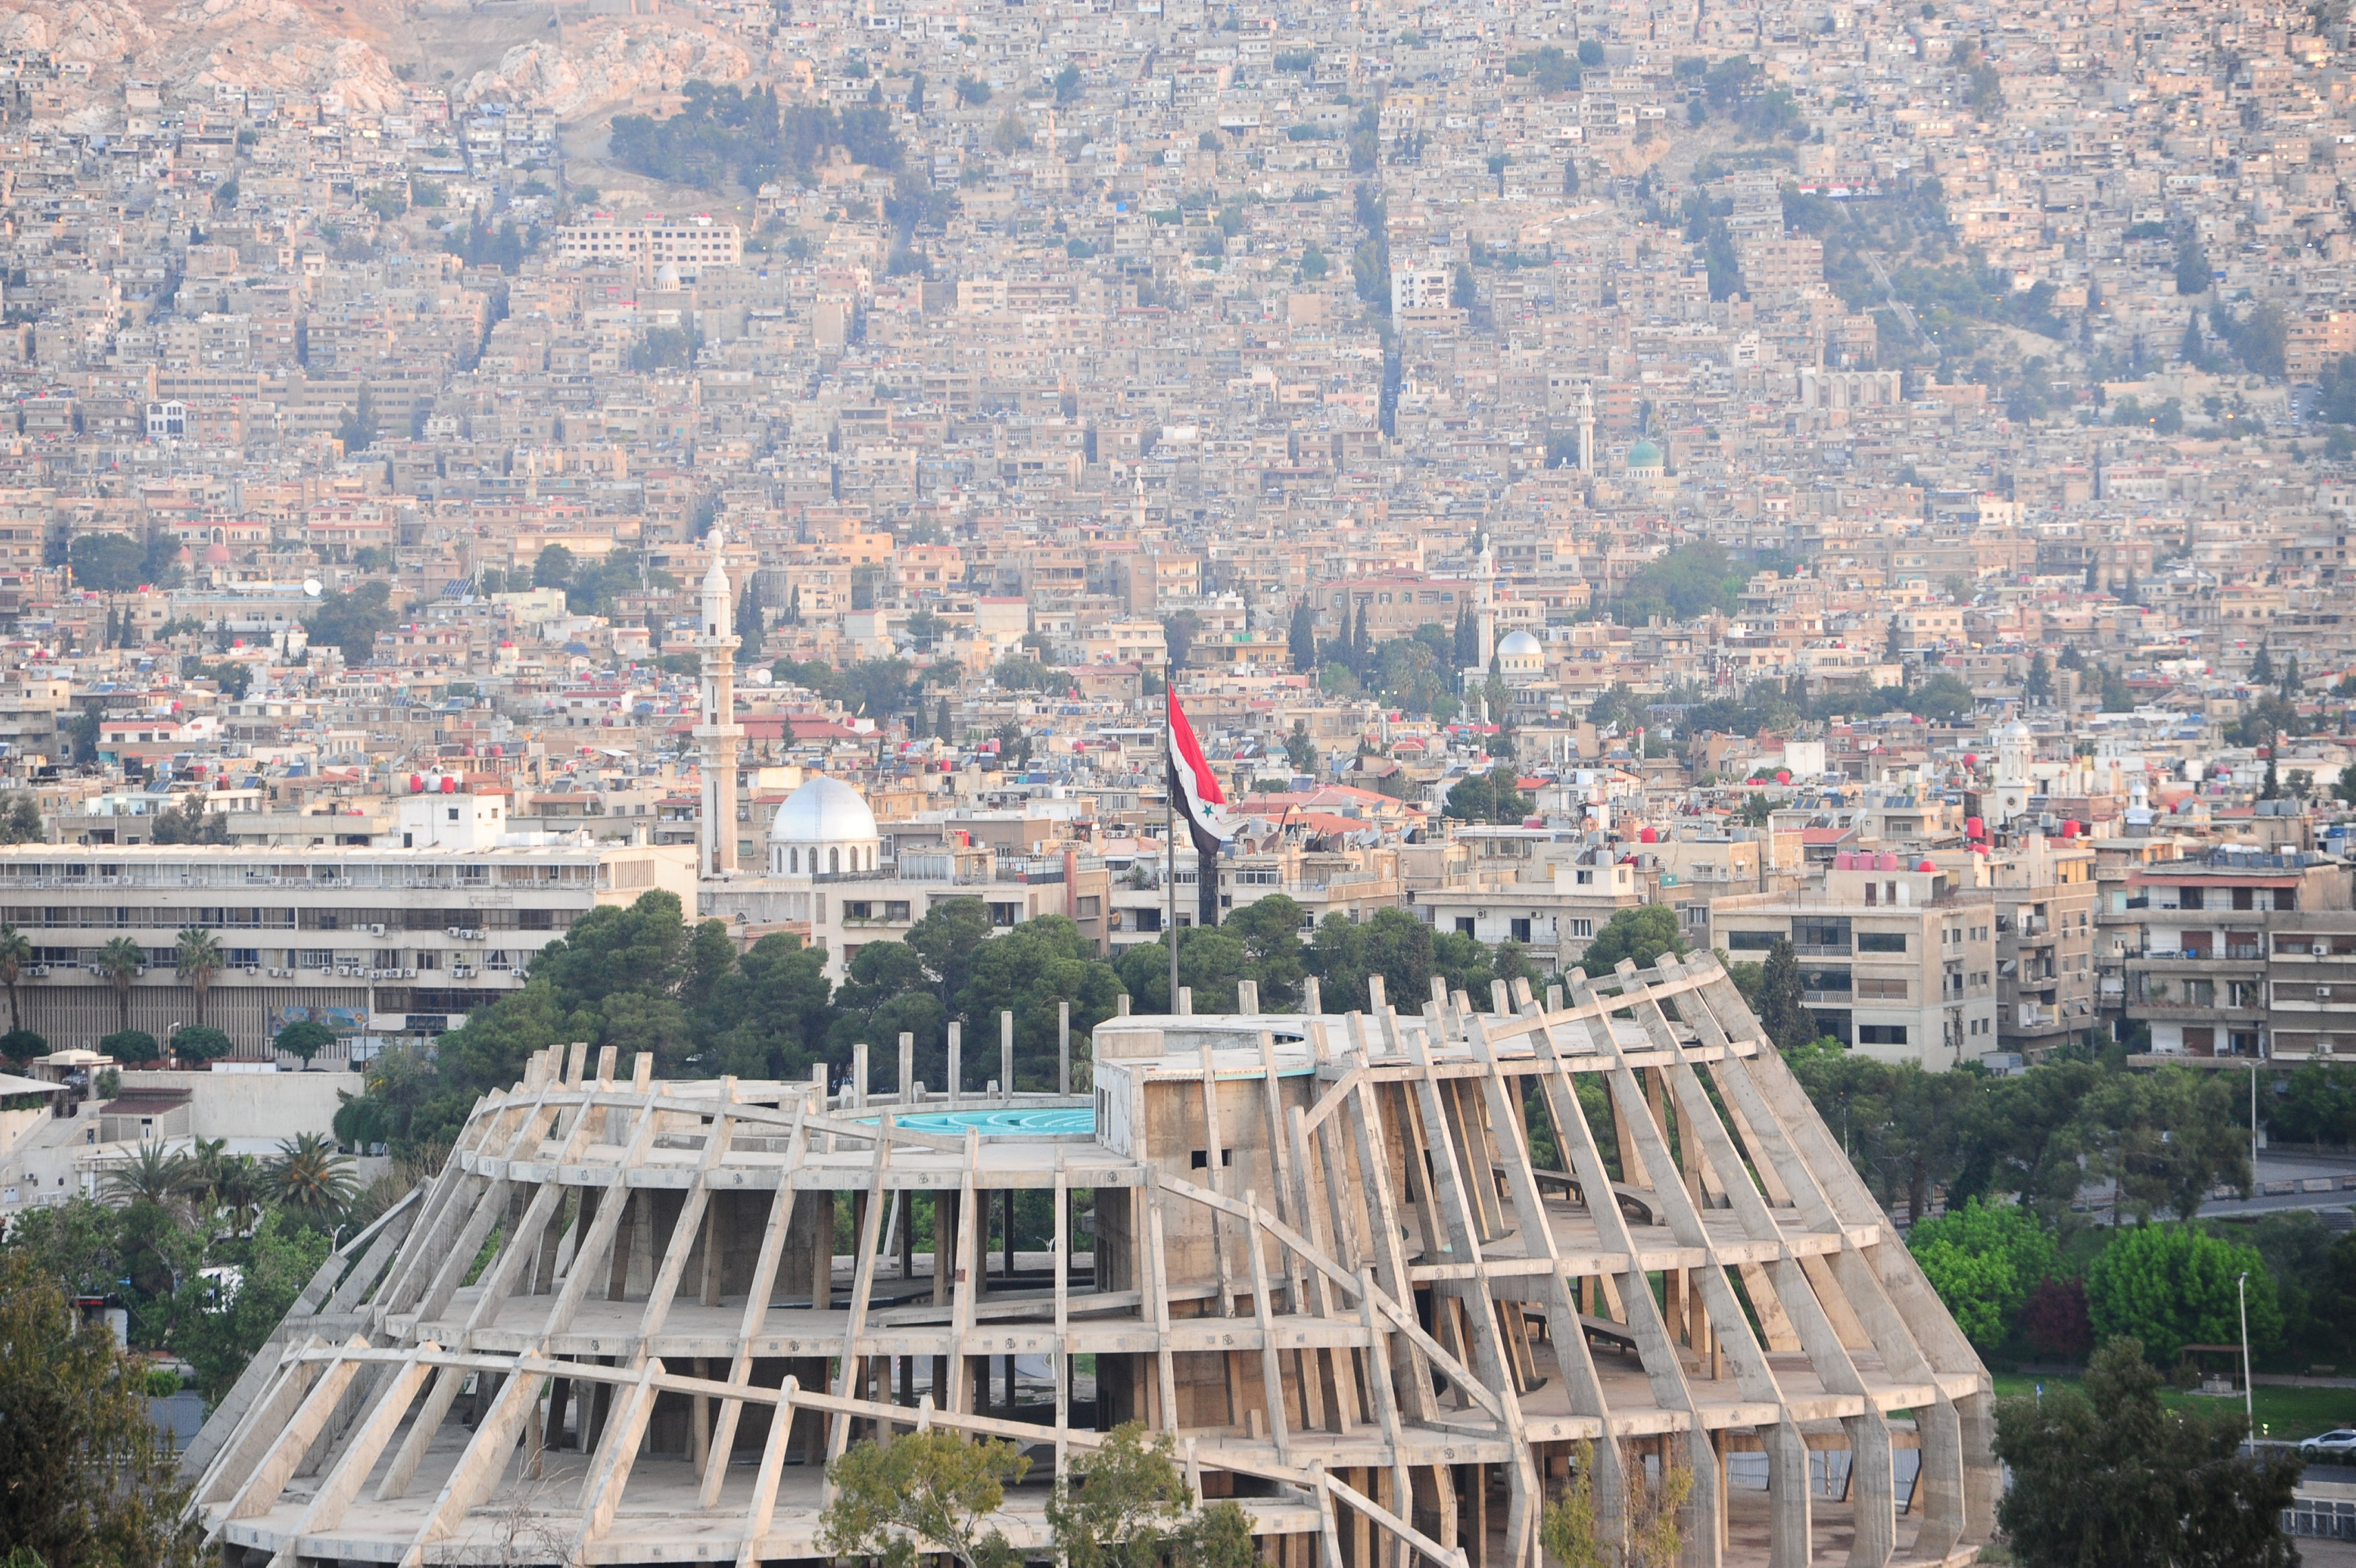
(1193, 787)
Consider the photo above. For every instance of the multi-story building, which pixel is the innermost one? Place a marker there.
(2249, 954)
(2044, 944)
(378, 941)
(1898, 958)
(1543, 888)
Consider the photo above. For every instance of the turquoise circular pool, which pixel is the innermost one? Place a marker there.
(1057, 1122)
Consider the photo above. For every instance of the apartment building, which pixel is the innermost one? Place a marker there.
(1540, 887)
(2045, 895)
(379, 942)
(2248, 954)
(1898, 956)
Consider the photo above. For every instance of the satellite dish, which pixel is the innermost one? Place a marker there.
(764, 677)
(311, 586)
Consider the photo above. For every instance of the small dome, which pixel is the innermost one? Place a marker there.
(1644, 454)
(666, 277)
(1520, 645)
(824, 811)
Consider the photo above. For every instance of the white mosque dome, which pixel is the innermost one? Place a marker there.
(1521, 645)
(825, 810)
(823, 826)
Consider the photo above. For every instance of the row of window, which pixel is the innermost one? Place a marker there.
(244, 872)
(1817, 936)
(135, 917)
(861, 860)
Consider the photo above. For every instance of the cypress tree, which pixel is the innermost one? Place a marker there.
(1302, 638)
(1782, 1000)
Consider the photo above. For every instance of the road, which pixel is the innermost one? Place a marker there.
(1905, 312)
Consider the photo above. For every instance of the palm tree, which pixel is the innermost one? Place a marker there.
(120, 961)
(15, 956)
(198, 960)
(153, 1175)
(312, 1177)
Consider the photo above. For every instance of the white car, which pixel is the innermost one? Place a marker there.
(2340, 1445)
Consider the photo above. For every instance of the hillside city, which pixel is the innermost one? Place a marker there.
(650, 540)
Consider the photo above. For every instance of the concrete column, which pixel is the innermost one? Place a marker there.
(1789, 1507)
(957, 1060)
(1006, 1054)
(907, 1068)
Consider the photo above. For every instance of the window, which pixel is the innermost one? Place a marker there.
(1521, 930)
(2189, 898)
(897, 909)
(1464, 925)
(2245, 898)
(1752, 941)
(1881, 1034)
(2284, 899)
(314, 958)
(1881, 942)
(245, 957)
(793, 859)
(834, 859)
(1871, 989)
(1004, 914)
(1582, 928)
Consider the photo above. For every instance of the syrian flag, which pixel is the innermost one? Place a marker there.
(1194, 790)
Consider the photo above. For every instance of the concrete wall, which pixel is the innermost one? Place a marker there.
(254, 1105)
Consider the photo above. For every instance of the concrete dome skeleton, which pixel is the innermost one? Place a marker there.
(1257, 1228)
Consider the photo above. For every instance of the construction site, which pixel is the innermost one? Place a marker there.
(1386, 1277)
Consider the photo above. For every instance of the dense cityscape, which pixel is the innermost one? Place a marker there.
(687, 532)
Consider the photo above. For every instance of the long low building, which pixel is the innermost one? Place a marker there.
(378, 943)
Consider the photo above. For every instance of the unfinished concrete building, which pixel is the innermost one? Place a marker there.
(630, 1321)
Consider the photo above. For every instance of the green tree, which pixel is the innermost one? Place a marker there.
(2170, 1285)
(220, 1332)
(1642, 933)
(1127, 1504)
(108, 563)
(197, 958)
(2111, 1479)
(1210, 962)
(132, 1045)
(121, 960)
(1493, 796)
(1577, 1528)
(199, 1042)
(1028, 972)
(1274, 958)
(189, 823)
(947, 937)
(90, 1478)
(20, 1046)
(927, 1491)
(16, 957)
(20, 820)
(1391, 942)
(552, 568)
(311, 1179)
(2169, 1138)
(304, 1039)
(2191, 266)
(352, 620)
(357, 432)
(1782, 1005)
(1983, 1260)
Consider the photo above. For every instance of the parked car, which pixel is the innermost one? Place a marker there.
(2340, 1445)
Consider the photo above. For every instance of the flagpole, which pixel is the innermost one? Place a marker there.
(1170, 831)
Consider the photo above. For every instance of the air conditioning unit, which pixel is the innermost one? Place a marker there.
(376, 931)
(408, 974)
(2321, 950)
(449, 931)
(252, 970)
(471, 935)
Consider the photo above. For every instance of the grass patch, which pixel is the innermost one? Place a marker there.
(2288, 1414)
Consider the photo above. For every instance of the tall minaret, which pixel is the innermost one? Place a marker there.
(717, 735)
(1587, 428)
(1485, 574)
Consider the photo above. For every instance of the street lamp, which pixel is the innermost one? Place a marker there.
(2249, 1404)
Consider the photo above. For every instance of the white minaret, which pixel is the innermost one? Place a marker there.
(717, 735)
(2015, 757)
(1587, 428)
(1485, 573)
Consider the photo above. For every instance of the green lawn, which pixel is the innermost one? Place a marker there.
(2284, 1413)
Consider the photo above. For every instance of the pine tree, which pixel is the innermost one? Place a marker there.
(941, 721)
(2192, 350)
(2261, 668)
(1781, 1007)
(2293, 683)
(794, 606)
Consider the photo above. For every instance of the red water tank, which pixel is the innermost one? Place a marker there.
(1926, 866)
(1971, 760)
(2070, 829)
(1782, 776)
(416, 784)
(1974, 827)
(1649, 836)
(449, 785)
